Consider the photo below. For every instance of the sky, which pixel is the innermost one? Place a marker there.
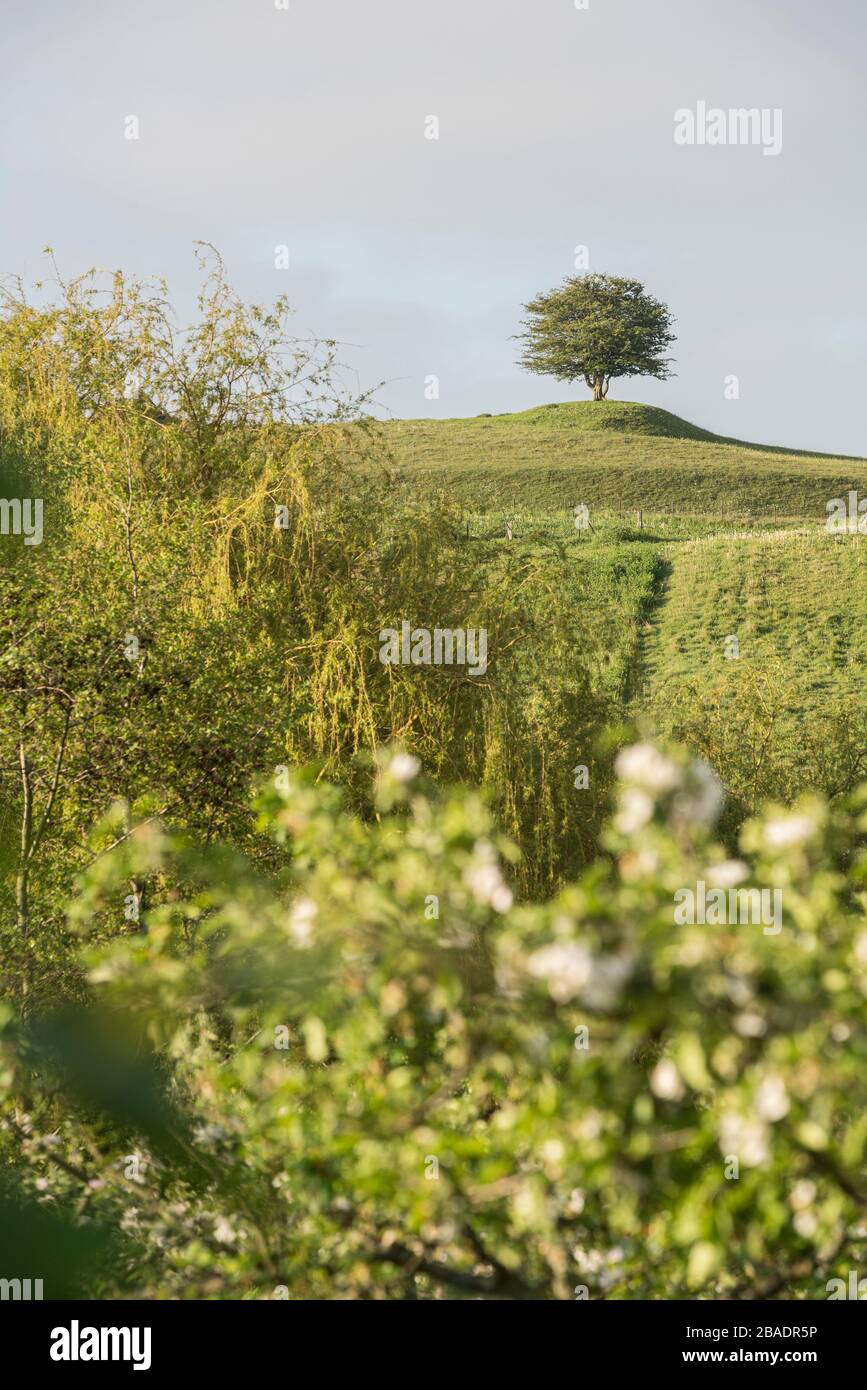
(306, 126)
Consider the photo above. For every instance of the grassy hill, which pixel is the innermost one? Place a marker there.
(733, 544)
(784, 710)
(612, 455)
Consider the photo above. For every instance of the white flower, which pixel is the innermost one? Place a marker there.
(403, 767)
(638, 864)
(589, 1127)
(788, 830)
(301, 919)
(704, 798)
(750, 1025)
(608, 976)
(772, 1101)
(485, 881)
(665, 1081)
(553, 1150)
(647, 768)
(728, 874)
(802, 1195)
(805, 1223)
(747, 1139)
(566, 967)
(224, 1231)
(575, 1205)
(600, 1265)
(525, 1203)
(634, 811)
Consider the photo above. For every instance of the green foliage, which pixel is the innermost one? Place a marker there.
(167, 644)
(597, 327)
(375, 1077)
(39, 1236)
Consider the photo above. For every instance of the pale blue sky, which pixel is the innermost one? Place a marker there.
(305, 127)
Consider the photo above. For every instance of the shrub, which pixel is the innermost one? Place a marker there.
(370, 1073)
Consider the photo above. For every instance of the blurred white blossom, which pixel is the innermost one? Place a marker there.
(565, 966)
(634, 810)
(607, 978)
(745, 1137)
(646, 767)
(665, 1082)
(403, 767)
(802, 1195)
(485, 881)
(805, 1223)
(728, 874)
(301, 919)
(750, 1025)
(772, 1101)
(703, 798)
(224, 1231)
(785, 831)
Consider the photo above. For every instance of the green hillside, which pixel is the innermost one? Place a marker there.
(798, 597)
(782, 710)
(613, 454)
(733, 545)
(783, 705)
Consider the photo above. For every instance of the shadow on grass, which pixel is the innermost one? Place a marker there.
(648, 608)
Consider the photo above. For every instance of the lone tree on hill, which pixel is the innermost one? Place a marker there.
(597, 327)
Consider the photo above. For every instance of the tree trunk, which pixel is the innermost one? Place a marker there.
(600, 387)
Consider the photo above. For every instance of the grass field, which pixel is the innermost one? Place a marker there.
(798, 597)
(732, 544)
(613, 454)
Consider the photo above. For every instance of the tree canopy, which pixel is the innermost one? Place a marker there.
(597, 327)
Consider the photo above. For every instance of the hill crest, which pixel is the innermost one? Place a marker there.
(623, 417)
(613, 417)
